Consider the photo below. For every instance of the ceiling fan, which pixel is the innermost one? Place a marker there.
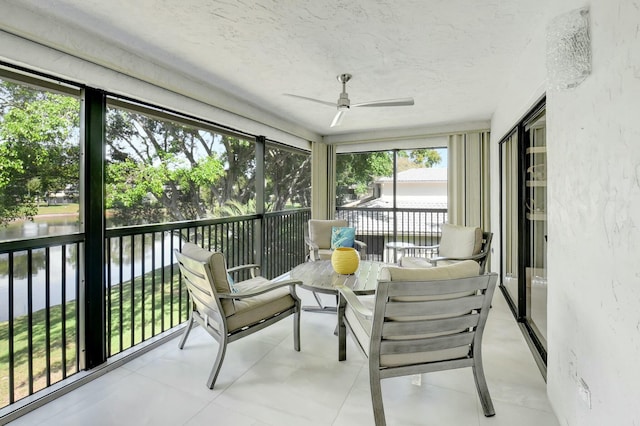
(344, 103)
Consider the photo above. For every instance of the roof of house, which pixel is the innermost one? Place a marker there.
(419, 174)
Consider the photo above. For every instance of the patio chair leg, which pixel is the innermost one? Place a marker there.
(376, 398)
(296, 330)
(187, 330)
(483, 389)
(222, 349)
(342, 332)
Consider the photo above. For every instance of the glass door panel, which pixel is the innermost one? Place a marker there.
(536, 222)
(510, 216)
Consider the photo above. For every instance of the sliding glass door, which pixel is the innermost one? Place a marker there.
(536, 226)
(523, 221)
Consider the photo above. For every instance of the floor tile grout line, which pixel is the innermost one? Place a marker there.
(344, 401)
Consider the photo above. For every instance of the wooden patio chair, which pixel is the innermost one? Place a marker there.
(420, 321)
(318, 240)
(457, 243)
(230, 311)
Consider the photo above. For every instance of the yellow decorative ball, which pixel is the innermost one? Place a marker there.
(345, 260)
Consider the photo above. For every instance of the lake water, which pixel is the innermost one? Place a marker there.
(41, 226)
(60, 225)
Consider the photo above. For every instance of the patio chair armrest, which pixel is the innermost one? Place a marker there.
(267, 288)
(313, 246)
(361, 247)
(360, 244)
(253, 266)
(478, 256)
(347, 295)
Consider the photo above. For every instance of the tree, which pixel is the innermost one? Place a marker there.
(159, 167)
(362, 169)
(182, 171)
(288, 178)
(38, 140)
(423, 157)
(356, 172)
(156, 169)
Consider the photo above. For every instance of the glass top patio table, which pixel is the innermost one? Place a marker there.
(320, 277)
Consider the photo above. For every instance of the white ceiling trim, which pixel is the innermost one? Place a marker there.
(399, 135)
(411, 143)
(46, 48)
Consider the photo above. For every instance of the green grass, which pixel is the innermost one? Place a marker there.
(72, 208)
(129, 332)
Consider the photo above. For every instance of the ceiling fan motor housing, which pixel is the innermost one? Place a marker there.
(343, 101)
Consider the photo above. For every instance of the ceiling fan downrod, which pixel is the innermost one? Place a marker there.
(343, 101)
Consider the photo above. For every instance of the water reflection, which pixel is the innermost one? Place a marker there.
(42, 226)
(129, 257)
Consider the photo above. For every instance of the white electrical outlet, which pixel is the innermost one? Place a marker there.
(584, 393)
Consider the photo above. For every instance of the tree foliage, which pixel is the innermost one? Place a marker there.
(423, 157)
(156, 169)
(163, 168)
(38, 140)
(356, 172)
(288, 179)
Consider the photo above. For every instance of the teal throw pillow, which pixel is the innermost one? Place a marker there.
(342, 237)
(231, 284)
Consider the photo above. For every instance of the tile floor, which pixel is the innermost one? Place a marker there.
(263, 382)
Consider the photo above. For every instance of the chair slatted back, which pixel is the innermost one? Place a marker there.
(486, 246)
(199, 281)
(414, 320)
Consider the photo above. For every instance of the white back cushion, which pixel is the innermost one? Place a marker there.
(460, 241)
(320, 231)
(464, 269)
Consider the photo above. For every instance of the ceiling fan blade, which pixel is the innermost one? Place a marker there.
(385, 103)
(331, 104)
(337, 119)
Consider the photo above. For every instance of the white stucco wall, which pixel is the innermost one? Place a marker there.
(593, 137)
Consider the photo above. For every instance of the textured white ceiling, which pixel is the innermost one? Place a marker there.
(451, 56)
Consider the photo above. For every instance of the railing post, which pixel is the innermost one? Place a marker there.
(92, 326)
(260, 187)
(395, 195)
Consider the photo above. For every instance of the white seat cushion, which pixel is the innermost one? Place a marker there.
(462, 269)
(253, 309)
(414, 262)
(421, 262)
(325, 254)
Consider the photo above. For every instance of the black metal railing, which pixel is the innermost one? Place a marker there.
(283, 237)
(144, 296)
(379, 226)
(39, 313)
(40, 281)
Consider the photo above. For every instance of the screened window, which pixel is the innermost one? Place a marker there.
(161, 169)
(287, 178)
(358, 176)
(393, 197)
(39, 161)
(39, 197)
(367, 179)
